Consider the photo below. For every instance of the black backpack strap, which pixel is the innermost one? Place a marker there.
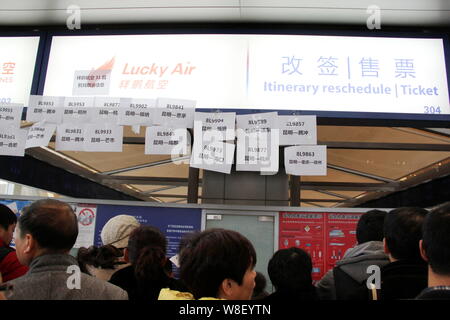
(4, 251)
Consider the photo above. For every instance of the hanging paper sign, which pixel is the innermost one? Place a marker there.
(10, 114)
(136, 111)
(297, 130)
(12, 141)
(164, 140)
(78, 109)
(86, 216)
(70, 137)
(45, 108)
(216, 156)
(39, 135)
(215, 126)
(257, 122)
(106, 110)
(103, 137)
(176, 113)
(91, 82)
(306, 160)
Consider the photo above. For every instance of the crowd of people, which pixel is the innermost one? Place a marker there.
(408, 248)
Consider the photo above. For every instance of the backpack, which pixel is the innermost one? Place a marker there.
(348, 288)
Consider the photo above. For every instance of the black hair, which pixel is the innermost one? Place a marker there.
(147, 253)
(52, 223)
(290, 270)
(259, 292)
(370, 226)
(403, 231)
(436, 239)
(105, 257)
(7, 217)
(211, 256)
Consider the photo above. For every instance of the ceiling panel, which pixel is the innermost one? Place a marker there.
(391, 164)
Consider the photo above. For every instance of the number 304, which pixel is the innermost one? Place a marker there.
(432, 109)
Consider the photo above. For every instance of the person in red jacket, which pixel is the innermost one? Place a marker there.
(10, 267)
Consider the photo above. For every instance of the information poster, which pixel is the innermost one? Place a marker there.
(326, 236)
(174, 223)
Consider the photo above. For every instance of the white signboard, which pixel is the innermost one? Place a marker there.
(86, 216)
(12, 141)
(175, 113)
(164, 140)
(39, 135)
(335, 73)
(103, 137)
(70, 137)
(45, 108)
(215, 156)
(217, 125)
(106, 110)
(10, 114)
(17, 62)
(306, 160)
(276, 72)
(78, 109)
(257, 122)
(297, 130)
(136, 111)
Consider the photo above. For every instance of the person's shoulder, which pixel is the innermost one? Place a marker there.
(104, 289)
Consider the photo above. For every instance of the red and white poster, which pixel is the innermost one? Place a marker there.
(86, 215)
(326, 236)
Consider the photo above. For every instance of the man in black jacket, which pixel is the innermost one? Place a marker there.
(406, 274)
(435, 248)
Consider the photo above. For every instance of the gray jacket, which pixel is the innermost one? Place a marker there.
(50, 278)
(354, 263)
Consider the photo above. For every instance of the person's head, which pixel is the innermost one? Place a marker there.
(117, 230)
(218, 263)
(402, 233)
(259, 291)
(8, 222)
(104, 257)
(146, 251)
(370, 226)
(290, 270)
(435, 244)
(45, 227)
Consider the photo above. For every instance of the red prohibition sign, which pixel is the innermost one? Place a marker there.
(86, 217)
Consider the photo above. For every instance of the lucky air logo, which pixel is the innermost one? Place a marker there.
(101, 72)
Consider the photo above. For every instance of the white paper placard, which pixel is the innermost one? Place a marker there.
(78, 109)
(136, 111)
(106, 110)
(215, 126)
(45, 108)
(86, 216)
(306, 160)
(257, 151)
(164, 140)
(12, 141)
(103, 137)
(39, 134)
(175, 113)
(257, 122)
(91, 82)
(297, 130)
(215, 156)
(10, 114)
(70, 137)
